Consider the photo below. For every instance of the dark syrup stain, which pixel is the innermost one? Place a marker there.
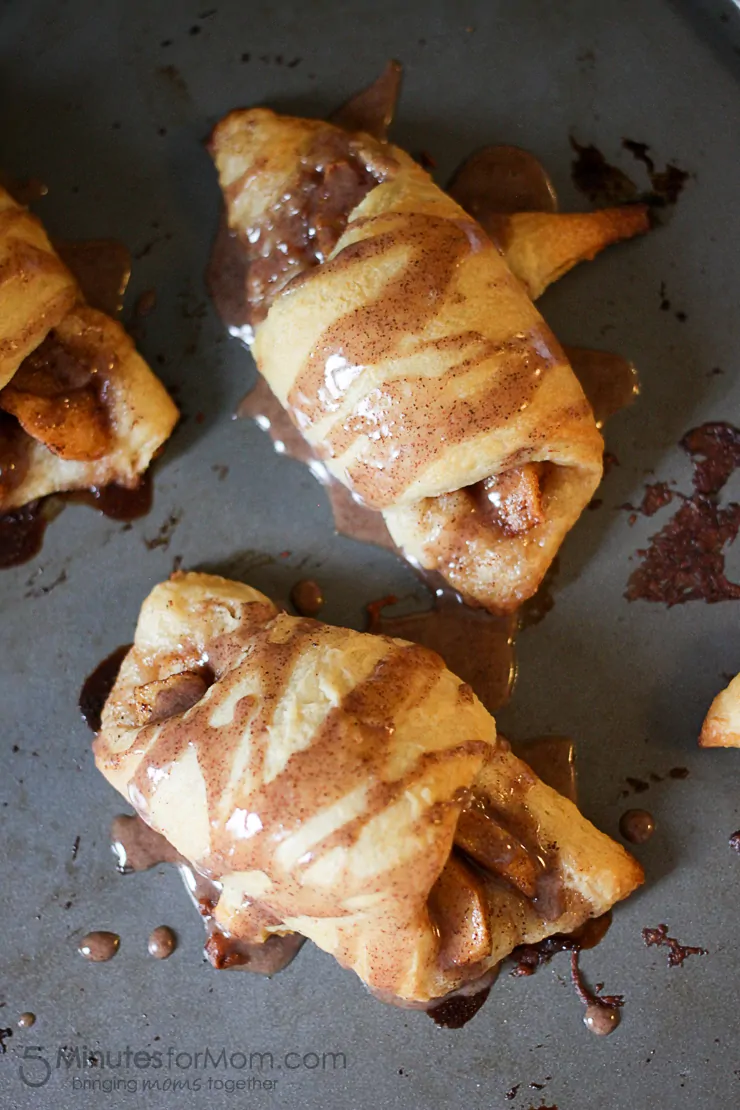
(22, 534)
(117, 502)
(531, 956)
(601, 182)
(677, 952)
(41, 591)
(98, 685)
(163, 537)
(685, 561)
(458, 1010)
(606, 184)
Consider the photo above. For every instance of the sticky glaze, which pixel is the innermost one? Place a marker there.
(609, 381)
(499, 180)
(297, 232)
(22, 534)
(531, 956)
(476, 646)
(553, 760)
(139, 848)
(102, 268)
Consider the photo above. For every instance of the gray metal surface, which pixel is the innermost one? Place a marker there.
(98, 106)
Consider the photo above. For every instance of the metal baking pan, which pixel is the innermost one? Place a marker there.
(108, 104)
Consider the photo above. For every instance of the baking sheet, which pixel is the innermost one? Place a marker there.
(108, 103)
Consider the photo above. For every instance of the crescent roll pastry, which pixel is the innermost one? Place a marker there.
(80, 408)
(541, 247)
(408, 352)
(346, 787)
(36, 288)
(721, 727)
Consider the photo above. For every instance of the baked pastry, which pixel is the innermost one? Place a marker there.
(79, 407)
(721, 728)
(405, 346)
(346, 787)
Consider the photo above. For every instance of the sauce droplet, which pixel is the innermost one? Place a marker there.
(734, 842)
(501, 179)
(307, 597)
(637, 825)
(99, 946)
(26, 1020)
(601, 1020)
(162, 942)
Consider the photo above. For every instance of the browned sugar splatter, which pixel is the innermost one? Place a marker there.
(685, 561)
(606, 184)
(601, 182)
(677, 952)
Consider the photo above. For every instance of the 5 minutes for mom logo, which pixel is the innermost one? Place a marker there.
(170, 1068)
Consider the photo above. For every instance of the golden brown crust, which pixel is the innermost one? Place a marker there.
(417, 365)
(79, 408)
(36, 288)
(319, 774)
(721, 727)
(542, 246)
